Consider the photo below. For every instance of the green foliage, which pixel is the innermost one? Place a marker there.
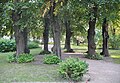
(28, 11)
(115, 41)
(73, 68)
(95, 57)
(32, 45)
(45, 52)
(22, 58)
(51, 59)
(7, 45)
(11, 58)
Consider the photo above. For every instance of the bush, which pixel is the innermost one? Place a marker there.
(7, 45)
(73, 68)
(32, 45)
(95, 57)
(51, 59)
(115, 41)
(10, 45)
(11, 58)
(22, 58)
(45, 52)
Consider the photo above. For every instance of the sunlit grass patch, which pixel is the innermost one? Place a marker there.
(115, 56)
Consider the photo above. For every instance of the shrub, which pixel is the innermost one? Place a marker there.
(7, 45)
(95, 57)
(51, 59)
(73, 68)
(11, 58)
(32, 45)
(22, 58)
(45, 52)
(115, 41)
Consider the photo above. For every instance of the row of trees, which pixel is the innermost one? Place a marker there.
(29, 17)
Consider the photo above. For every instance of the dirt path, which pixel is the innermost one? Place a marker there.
(100, 71)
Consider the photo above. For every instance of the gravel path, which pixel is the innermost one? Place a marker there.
(100, 71)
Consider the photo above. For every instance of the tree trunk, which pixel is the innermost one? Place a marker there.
(77, 42)
(25, 35)
(56, 38)
(46, 33)
(56, 30)
(20, 35)
(19, 42)
(68, 36)
(105, 38)
(91, 33)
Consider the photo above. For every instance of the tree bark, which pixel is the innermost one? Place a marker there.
(46, 33)
(56, 34)
(56, 30)
(68, 36)
(20, 35)
(91, 33)
(105, 38)
(25, 36)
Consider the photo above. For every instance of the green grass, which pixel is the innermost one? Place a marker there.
(115, 54)
(80, 48)
(31, 72)
(26, 72)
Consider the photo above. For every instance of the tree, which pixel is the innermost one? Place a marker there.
(23, 16)
(105, 38)
(56, 29)
(67, 23)
(110, 12)
(20, 35)
(91, 31)
(68, 36)
(46, 32)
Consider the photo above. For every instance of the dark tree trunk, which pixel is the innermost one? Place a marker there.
(46, 33)
(56, 30)
(25, 35)
(91, 33)
(56, 34)
(68, 36)
(105, 38)
(20, 35)
(77, 42)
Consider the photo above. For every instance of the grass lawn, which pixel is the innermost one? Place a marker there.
(115, 54)
(30, 72)
(27, 72)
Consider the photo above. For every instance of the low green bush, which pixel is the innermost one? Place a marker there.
(22, 58)
(45, 52)
(7, 45)
(114, 41)
(73, 68)
(11, 58)
(51, 59)
(94, 57)
(32, 45)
